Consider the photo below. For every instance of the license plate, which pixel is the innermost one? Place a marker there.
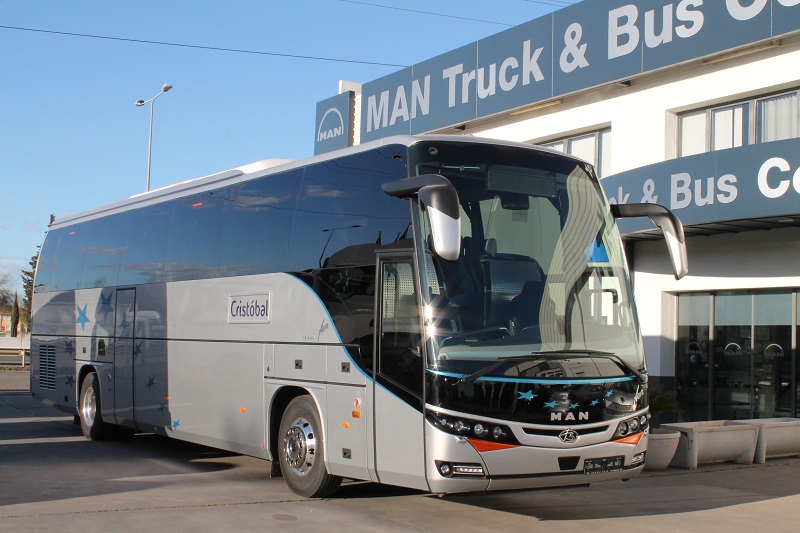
(602, 465)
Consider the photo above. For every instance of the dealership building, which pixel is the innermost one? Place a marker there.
(690, 104)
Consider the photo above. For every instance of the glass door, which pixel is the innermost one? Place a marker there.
(736, 355)
(772, 355)
(733, 392)
(693, 363)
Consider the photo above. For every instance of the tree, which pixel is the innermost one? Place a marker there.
(27, 284)
(5, 279)
(15, 316)
(27, 290)
(5, 295)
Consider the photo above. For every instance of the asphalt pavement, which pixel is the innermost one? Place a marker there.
(51, 479)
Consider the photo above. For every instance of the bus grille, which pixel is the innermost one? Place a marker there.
(555, 432)
(47, 367)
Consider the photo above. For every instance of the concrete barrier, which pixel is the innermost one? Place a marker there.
(714, 441)
(15, 346)
(661, 446)
(777, 437)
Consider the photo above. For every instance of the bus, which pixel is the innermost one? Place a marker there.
(443, 313)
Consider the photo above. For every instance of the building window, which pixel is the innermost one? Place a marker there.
(775, 118)
(778, 118)
(594, 147)
(736, 355)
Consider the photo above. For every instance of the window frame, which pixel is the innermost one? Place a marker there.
(598, 160)
(751, 120)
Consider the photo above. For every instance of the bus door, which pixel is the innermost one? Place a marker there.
(123, 355)
(398, 371)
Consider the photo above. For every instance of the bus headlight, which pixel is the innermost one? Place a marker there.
(631, 426)
(480, 430)
(464, 427)
(499, 433)
(461, 427)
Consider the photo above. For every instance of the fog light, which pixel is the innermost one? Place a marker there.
(445, 469)
(499, 433)
(637, 458)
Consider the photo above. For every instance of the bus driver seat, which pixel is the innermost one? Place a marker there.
(526, 305)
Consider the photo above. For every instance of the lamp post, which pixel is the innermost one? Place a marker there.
(332, 231)
(139, 103)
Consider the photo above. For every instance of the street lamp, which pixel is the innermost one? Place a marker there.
(332, 231)
(139, 103)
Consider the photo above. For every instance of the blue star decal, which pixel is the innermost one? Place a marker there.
(70, 381)
(595, 402)
(150, 382)
(176, 424)
(609, 393)
(137, 350)
(105, 304)
(574, 405)
(82, 318)
(162, 406)
(68, 347)
(526, 395)
(550, 404)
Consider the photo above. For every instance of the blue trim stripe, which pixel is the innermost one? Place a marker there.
(591, 381)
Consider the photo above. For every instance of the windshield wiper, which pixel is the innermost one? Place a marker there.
(500, 362)
(535, 356)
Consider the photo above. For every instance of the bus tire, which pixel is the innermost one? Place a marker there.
(89, 410)
(301, 451)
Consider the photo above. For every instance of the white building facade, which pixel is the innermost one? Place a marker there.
(693, 105)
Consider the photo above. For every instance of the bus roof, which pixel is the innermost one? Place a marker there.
(270, 166)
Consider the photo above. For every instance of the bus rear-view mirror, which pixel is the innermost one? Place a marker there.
(670, 225)
(440, 199)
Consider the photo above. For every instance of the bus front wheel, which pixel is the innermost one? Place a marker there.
(302, 455)
(91, 419)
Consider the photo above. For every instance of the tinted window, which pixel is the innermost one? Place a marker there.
(103, 245)
(193, 247)
(255, 236)
(59, 266)
(148, 228)
(342, 205)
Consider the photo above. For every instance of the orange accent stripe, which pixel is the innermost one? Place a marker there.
(632, 439)
(488, 446)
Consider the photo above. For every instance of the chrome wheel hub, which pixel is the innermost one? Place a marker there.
(88, 407)
(300, 446)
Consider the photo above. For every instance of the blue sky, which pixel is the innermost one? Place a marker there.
(72, 139)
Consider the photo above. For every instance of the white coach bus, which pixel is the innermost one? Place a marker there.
(448, 314)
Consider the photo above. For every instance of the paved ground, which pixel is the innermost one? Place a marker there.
(14, 378)
(51, 479)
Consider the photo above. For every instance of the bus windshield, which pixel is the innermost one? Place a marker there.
(540, 289)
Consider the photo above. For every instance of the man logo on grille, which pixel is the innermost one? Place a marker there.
(568, 436)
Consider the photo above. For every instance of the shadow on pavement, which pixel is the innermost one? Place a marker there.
(674, 491)
(56, 462)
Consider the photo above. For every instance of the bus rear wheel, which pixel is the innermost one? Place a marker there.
(89, 411)
(301, 455)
